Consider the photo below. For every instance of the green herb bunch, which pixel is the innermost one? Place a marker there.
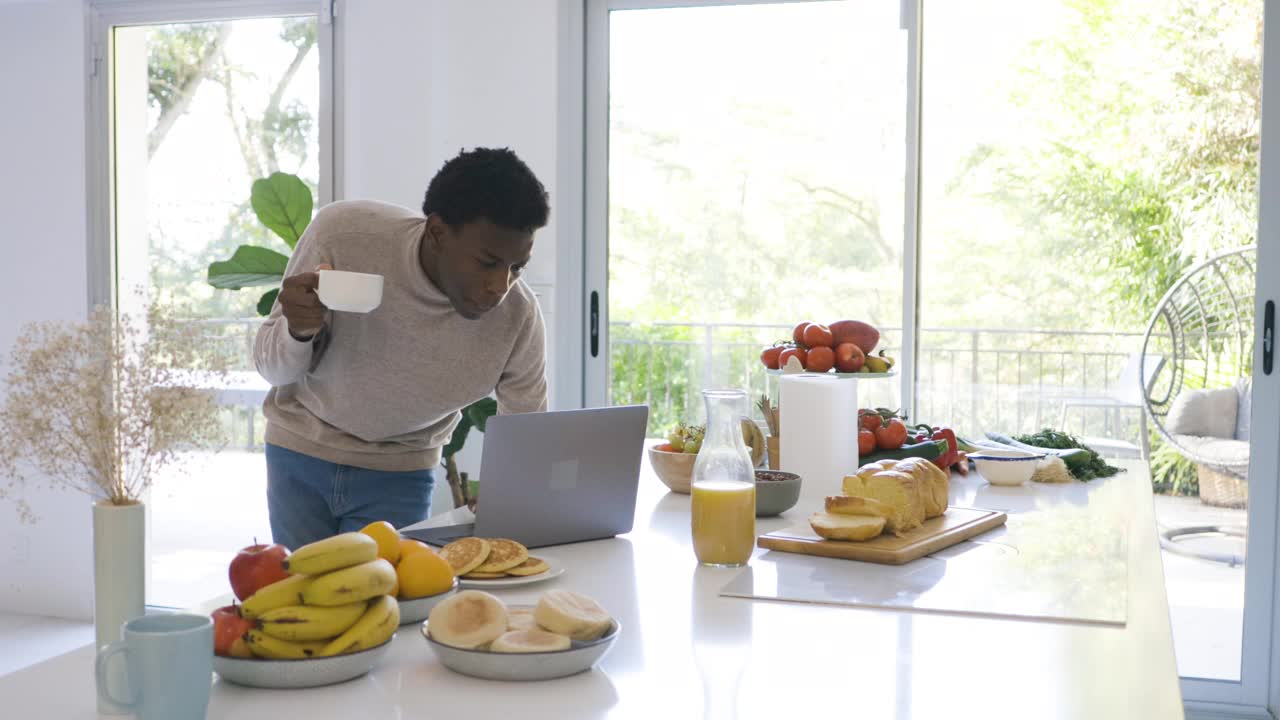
(1058, 440)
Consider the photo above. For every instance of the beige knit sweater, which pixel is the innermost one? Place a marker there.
(382, 390)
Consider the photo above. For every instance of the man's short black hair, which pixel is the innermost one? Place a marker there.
(489, 183)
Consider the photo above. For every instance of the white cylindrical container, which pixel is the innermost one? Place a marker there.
(119, 580)
(819, 428)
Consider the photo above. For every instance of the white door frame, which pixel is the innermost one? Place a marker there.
(592, 303)
(102, 16)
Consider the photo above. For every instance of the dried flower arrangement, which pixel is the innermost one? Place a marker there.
(102, 406)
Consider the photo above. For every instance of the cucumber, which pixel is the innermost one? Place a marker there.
(972, 446)
(1075, 458)
(929, 450)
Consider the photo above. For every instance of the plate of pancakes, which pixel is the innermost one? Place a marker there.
(497, 562)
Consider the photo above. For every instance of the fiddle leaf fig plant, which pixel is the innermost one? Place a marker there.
(283, 204)
(475, 416)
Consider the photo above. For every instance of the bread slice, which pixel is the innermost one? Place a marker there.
(849, 505)
(846, 527)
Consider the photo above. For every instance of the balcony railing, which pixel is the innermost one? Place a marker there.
(975, 379)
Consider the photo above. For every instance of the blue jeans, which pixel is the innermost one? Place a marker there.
(311, 499)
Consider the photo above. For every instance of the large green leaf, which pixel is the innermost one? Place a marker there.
(480, 411)
(458, 439)
(267, 300)
(249, 266)
(283, 203)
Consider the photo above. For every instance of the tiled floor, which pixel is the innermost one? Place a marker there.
(1206, 599)
(198, 522)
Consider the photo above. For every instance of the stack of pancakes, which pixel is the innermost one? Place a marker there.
(491, 559)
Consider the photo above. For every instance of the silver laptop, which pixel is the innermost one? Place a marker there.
(555, 477)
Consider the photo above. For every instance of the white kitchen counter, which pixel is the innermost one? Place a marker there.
(686, 652)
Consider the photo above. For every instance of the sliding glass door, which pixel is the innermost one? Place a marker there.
(745, 172)
(1049, 208)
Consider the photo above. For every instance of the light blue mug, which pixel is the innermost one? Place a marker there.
(169, 664)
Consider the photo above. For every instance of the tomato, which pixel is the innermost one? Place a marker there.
(798, 353)
(866, 442)
(892, 436)
(769, 356)
(797, 333)
(870, 421)
(817, 335)
(821, 359)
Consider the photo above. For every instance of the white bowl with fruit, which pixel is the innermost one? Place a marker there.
(842, 348)
(673, 460)
(324, 614)
(328, 612)
(565, 633)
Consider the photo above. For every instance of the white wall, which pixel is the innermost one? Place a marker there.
(46, 568)
(424, 79)
(420, 80)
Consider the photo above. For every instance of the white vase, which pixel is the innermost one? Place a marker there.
(119, 579)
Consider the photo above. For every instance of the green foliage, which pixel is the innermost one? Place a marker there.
(272, 130)
(480, 411)
(1171, 472)
(283, 203)
(266, 301)
(476, 415)
(250, 266)
(1150, 110)
(177, 53)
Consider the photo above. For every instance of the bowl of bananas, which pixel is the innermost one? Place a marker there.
(330, 620)
(673, 460)
(299, 672)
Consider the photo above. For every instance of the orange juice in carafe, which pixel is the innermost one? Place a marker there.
(724, 521)
(724, 485)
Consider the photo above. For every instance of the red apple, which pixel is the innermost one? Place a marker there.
(849, 358)
(821, 359)
(228, 632)
(856, 332)
(257, 566)
(817, 335)
(798, 353)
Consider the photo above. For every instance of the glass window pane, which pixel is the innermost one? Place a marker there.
(201, 110)
(756, 159)
(1078, 163)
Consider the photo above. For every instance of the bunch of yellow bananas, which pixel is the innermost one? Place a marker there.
(339, 598)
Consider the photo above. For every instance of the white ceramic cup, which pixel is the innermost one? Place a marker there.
(349, 291)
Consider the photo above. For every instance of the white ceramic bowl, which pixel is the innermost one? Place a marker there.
(349, 291)
(580, 657)
(311, 672)
(1004, 468)
(417, 609)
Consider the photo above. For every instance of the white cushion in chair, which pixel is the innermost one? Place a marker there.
(1219, 452)
(1206, 413)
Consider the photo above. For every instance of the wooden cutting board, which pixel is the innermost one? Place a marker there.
(957, 524)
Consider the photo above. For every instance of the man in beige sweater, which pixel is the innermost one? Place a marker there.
(361, 404)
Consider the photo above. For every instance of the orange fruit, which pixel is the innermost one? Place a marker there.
(408, 546)
(423, 573)
(387, 537)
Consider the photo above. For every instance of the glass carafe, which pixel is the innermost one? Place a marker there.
(724, 485)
